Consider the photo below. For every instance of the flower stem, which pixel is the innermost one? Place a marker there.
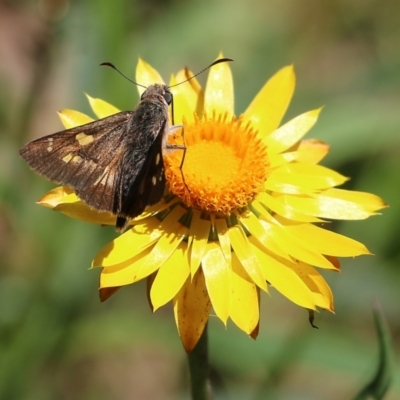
(199, 371)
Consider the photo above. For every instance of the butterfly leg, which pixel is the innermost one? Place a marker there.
(172, 129)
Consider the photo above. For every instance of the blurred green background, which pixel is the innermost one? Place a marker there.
(56, 340)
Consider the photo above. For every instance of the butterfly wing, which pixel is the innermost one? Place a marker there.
(145, 184)
(86, 158)
(149, 185)
(113, 164)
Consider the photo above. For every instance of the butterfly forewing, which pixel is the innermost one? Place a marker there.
(84, 158)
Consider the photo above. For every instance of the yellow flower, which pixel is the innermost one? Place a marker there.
(243, 213)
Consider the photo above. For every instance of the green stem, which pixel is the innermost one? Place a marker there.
(199, 371)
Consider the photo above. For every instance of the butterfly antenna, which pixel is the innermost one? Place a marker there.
(107, 64)
(220, 60)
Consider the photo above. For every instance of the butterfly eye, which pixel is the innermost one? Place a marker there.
(168, 97)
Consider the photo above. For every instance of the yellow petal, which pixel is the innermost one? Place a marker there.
(79, 210)
(245, 311)
(256, 330)
(328, 242)
(56, 196)
(199, 231)
(217, 274)
(170, 278)
(284, 279)
(246, 257)
(325, 206)
(129, 244)
(281, 208)
(262, 235)
(107, 292)
(146, 75)
(289, 134)
(124, 273)
(182, 107)
(269, 106)
(321, 291)
(223, 237)
(64, 200)
(299, 178)
(149, 283)
(312, 151)
(335, 261)
(219, 96)
(101, 108)
(72, 118)
(191, 309)
(296, 247)
(369, 201)
(276, 160)
(191, 90)
(166, 244)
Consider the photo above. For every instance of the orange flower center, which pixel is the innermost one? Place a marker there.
(224, 165)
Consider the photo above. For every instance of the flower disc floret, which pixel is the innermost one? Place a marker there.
(224, 166)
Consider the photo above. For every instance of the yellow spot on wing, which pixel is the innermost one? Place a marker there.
(77, 159)
(67, 158)
(84, 139)
(104, 177)
(74, 159)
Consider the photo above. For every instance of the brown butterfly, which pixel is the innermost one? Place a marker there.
(114, 164)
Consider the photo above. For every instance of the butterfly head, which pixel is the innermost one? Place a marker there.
(158, 91)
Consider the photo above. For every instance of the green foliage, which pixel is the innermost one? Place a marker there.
(380, 383)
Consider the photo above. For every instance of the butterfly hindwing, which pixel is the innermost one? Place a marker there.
(149, 185)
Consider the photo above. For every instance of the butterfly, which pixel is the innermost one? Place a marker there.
(114, 164)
